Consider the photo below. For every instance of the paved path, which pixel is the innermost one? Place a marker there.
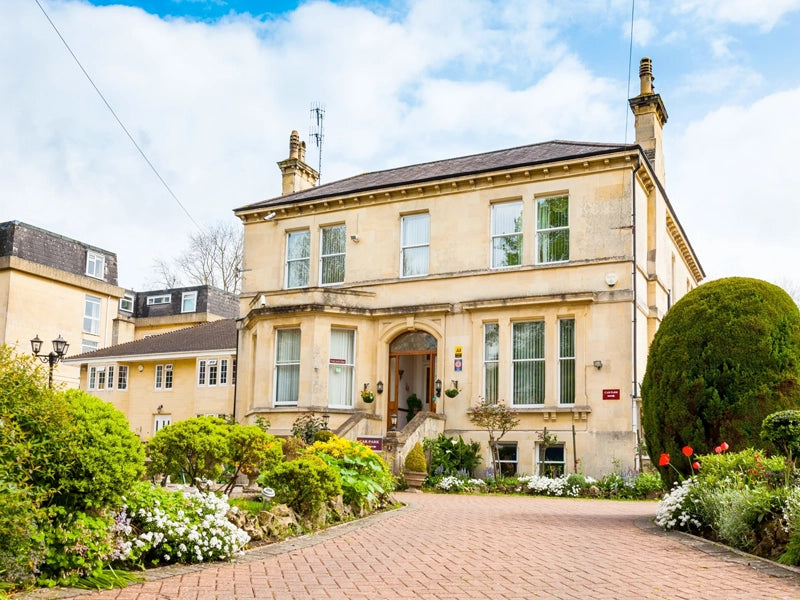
(443, 547)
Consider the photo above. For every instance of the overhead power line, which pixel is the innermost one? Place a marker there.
(121, 124)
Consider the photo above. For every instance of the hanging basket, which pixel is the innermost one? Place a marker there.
(451, 393)
(367, 397)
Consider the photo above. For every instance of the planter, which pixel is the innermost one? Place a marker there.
(451, 393)
(415, 479)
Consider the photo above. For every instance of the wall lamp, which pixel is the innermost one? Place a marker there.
(379, 387)
(598, 364)
(437, 388)
(393, 417)
(60, 347)
(160, 408)
(325, 418)
(270, 216)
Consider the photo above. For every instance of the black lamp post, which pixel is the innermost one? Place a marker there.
(60, 347)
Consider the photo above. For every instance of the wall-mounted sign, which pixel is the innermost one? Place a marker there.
(373, 443)
(338, 361)
(458, 364)
(459, 351)
(610, 394)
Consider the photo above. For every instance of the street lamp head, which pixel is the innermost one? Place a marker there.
(60, 346)
(36, 345)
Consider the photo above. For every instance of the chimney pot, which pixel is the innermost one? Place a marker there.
(646, 76)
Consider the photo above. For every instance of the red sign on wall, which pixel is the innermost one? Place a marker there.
(373, 443)
(610, 394)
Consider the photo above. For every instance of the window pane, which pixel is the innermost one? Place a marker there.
(332, 255)
(416, 230)
(415, 261)
(122, 382)
(298, 251)
(507, 234)
(341, 368)
(566, 375)
(287, 366)
(552, 224)
(332, 269)
(91, 316)
(189, 302)
(490, 364)
(528, 362)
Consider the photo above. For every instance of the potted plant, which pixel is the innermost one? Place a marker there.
(416, 467)
(414, 406)
(366, 395)
(451, 392)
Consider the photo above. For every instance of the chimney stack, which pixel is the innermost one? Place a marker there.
(297, 175)
(650, 118)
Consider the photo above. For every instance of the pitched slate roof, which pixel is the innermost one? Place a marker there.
(206, 337)
(466, 165)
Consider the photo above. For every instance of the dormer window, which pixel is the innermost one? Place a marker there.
(188, 302)
(95, 265)
(160, 299)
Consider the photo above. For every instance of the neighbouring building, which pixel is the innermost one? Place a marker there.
(166, 377)
(51, 286)
(534, 276)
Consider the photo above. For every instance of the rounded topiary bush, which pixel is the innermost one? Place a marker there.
(782, 430)
(415, 460)
(725, 356)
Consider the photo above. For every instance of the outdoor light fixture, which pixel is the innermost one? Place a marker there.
(60, 347)
(598, 364)
(160, 408)
(437, 388)
(379, 387)
(393, 417)
(325, 418)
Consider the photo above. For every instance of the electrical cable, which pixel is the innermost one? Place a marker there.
(121, 124)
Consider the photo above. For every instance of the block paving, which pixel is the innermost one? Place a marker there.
(448, 547)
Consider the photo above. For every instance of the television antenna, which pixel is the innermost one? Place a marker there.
(317, 132)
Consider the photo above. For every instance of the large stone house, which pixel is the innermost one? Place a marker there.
(534, 276)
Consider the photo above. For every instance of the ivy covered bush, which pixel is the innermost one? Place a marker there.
(726, 355)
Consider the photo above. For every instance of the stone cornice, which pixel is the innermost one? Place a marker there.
(676, 234)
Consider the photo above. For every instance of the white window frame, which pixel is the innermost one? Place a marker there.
(126, 303)
(543, 462)
(294, 262)
(122, 378)
(161, 421)
(95, 265)
(566, 362)
(409, 248)
(330, 256)
(159, 299)
(282, 364)
(91, 314)
(503, 235)
(189, 297)
(110, 377)
(342, 367)
(543, 232)
(163, 377)
(491, 362)
(201, 373)
(223, 371)
(213, 372)
(540, 384)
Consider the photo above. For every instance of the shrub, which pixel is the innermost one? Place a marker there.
(21, 545)
(366, 479)
(725, 356)
(306, 427)
(177, 526)
(250, 450)
(195, 447)
(304, 484)
(782, 430)
(451, 456)
(415, 460)
(109, 456)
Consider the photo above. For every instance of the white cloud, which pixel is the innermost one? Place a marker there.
(763, 14)
(734, 182)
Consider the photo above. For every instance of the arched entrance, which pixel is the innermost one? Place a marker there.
(412, 371)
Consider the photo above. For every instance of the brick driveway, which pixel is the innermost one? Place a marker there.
(468, 547)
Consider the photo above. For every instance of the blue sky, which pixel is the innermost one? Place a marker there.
(211, 90)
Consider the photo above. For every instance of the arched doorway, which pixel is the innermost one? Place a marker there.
(412, 371)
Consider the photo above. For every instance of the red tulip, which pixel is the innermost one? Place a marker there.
(724, 446)
(718, 449)
(696, 466)
(687, 450)
(663, 461)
